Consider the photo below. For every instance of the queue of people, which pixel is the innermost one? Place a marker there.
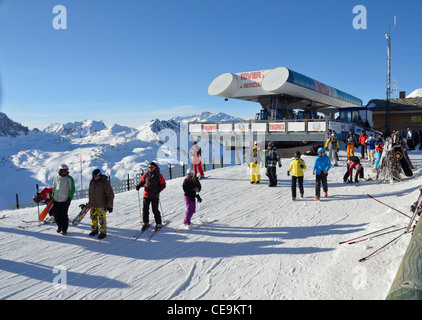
(101, 194)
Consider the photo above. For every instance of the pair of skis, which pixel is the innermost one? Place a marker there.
(138, 235)
(417, 208)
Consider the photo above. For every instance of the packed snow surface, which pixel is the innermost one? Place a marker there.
(262, 245)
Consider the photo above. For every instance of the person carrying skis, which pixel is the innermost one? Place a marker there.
(271, 160)
(321, 166)
(255, 164)
(195, 153)
(191, 186)
(101, 196)
(332, 146)
(62, 195)
(154, 183)
(297, 166)
(351, 143)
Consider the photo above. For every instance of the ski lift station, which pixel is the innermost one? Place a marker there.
(290, 103)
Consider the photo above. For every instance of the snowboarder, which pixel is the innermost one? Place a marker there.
(191, 186)
(332, 146)
(351, 143)
(195, 153)
(297, 166)
(62, 194)
(101, 197)
(321, 166)
(271, 160)
(255, 164)
(154, 183)
(44, 196)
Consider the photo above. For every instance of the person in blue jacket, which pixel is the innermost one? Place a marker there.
(321, 166)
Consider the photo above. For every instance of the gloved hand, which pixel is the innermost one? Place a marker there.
(138, 186)
(110, 210)
(288, 172)
(279, 164)
(301, 166)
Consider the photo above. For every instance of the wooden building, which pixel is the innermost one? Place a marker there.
(404, 113)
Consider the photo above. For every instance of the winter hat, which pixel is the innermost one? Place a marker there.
(63, 167)
(96, 172)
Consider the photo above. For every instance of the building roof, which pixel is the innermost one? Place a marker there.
(396, 104)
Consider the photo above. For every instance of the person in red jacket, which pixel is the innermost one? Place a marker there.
(362, 138)
(153, 183)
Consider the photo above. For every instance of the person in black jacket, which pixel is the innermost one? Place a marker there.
(191, 186)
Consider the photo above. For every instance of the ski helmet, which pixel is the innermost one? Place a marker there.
(297, 154)
(189, 172)
(321, 150)
(96, 172)
(63, 167)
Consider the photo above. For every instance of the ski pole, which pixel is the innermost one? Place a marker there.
(378, 235)
(139, 205)
(162, 213)
(395, 239)
(388, 206)
(364, 235)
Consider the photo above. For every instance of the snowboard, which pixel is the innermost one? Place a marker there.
(46, 210)
(399, 154)
(84, 210)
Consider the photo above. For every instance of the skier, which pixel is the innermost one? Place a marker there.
(362, 139)
(255, 164)
(101, 197)
(409, 139)
(271, 160)
(297, 166)
(321, 166)
(379, 147)
(154, 183)
(332, 146)
(351, 142)
(62, 194)
(353, 163)
(191, 186)
(195, 153)
(370, 145)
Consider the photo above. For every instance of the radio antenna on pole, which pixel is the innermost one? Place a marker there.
(387, 114)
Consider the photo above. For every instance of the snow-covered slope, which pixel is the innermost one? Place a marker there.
(262, 244)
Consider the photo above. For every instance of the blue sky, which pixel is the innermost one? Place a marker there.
(131, 61)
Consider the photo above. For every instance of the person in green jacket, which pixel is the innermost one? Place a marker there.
(297, 166)
(62, 195)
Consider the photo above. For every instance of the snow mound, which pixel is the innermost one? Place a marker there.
(415, 94)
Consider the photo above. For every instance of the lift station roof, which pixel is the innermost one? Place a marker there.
(292, 88)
